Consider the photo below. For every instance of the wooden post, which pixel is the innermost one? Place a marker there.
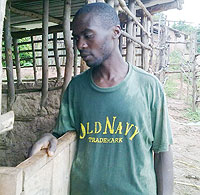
(17, 62)
(145, 61)
(9, 60)
(181, 86)
(68, 44)
(2, 14)
(75, 57)
(34, 60)
(45, 20)
(55, 49)
(129, 43)
(193, 68)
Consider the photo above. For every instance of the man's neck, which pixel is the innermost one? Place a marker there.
(111, 72)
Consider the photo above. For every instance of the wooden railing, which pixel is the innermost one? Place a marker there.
(40, 174)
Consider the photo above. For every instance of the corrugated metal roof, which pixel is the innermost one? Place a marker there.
(55, 9)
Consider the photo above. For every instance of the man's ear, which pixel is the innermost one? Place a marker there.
(116, 31)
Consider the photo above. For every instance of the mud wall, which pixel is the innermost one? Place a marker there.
(30, 124)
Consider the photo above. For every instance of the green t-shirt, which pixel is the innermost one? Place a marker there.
(119, 128)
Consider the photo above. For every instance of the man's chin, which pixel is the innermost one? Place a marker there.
(92, 64)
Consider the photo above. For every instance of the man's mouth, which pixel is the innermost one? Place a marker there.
(85, 57)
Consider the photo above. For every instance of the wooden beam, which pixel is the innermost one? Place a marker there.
(68, 44)
(135, 40)
(9, 60)
(6, 122)
(37, 31)
(45, 53)
(17, 62)
(2, 8)
(125, 8)
(144, 9)
(34, 15)
(55, 49)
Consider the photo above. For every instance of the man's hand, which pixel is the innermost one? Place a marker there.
(48, 141)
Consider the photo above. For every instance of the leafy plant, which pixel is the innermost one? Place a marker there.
(170, 88)
(192, 116)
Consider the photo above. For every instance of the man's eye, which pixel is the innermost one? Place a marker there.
(89, 36)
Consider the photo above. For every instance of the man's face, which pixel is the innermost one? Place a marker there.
(94, 42)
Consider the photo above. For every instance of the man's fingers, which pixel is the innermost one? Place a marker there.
(39, 145)
(52, 146)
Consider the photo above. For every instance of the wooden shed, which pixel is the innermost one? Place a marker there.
(48, 18)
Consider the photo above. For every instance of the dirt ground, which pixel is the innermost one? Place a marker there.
(186, 147)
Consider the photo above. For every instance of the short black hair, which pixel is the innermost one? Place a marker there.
(107, 15)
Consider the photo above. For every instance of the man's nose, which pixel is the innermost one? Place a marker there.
(81, 44)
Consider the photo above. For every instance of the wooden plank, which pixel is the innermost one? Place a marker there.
(6, 122)
(11, 181)
(45, 175)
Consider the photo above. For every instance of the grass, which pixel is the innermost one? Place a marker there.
(170, 88)
(192, 116)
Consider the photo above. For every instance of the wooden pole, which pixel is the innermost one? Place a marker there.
(9, 60)
(2, 8)
(125, 8)
(17, 62)
(55, 49)
(145, 56)
(45, 20)
(68, 44)
(193, 67)
(129, 28)
(34, 60)
(75, 58)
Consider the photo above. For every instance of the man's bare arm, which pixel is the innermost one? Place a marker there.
(163, 164)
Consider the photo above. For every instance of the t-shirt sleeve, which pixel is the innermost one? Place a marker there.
(65, 120)
(162, 133)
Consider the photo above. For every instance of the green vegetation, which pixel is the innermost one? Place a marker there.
(187, 28)
(22, 55)
(192, 116)
(170, 88)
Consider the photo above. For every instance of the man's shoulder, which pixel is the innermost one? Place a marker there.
(80, 78)
(145, 76)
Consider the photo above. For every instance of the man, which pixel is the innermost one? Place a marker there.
(119, 113)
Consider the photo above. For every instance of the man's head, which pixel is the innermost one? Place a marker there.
(96, 30)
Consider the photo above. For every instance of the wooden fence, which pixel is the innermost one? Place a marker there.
(40, 174)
